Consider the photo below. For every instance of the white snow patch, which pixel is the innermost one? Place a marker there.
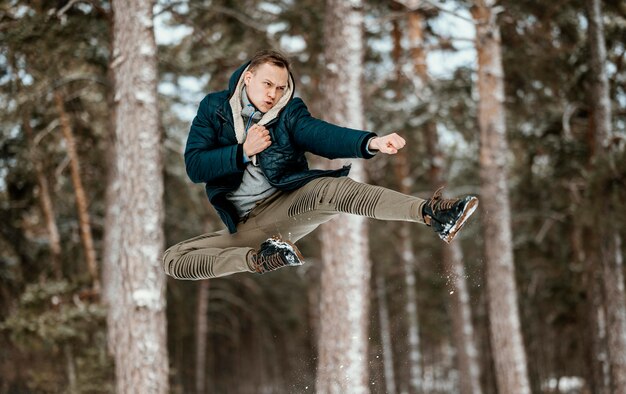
(564, 384)
(3, 173)
(167, 88)
(147, 50)
(274, 28)
(148, 298)
(270, 8)
(292, 44)
(144, 96)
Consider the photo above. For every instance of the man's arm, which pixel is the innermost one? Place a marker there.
(326, 139)
(205, 160)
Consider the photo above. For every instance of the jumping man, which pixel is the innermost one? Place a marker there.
(247, 144)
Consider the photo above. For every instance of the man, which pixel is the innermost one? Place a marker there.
(247, 145)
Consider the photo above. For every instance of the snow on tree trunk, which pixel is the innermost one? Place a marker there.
(137, 306)
(460, 311)
(609, 239)
(506, 337)
(82, 204)
(342, 362)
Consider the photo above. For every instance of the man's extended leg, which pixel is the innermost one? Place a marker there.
(293, 215)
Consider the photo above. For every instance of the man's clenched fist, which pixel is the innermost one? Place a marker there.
(389, 144)
(257, 140)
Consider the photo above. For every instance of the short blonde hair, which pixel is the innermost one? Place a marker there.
(269, 56)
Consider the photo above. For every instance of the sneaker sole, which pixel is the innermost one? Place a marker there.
(467, 212)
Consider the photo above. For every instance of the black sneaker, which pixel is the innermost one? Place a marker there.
(274, 254)
(447, 216)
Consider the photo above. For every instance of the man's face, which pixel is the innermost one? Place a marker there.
(266, 85)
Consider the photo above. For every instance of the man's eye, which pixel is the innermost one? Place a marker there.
(266, 83)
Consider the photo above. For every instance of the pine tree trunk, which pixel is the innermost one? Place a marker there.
(202, 330)
(506, 336)
(138, 305)
(407, 255)
(609, 240)
(613, 275)
(45, 200)
(71, 369)
(81, 197)
(460, 311)
(385, 333)
(111, 275)
(599, 89)
(343, 337)
(408, 259)
(597, 374)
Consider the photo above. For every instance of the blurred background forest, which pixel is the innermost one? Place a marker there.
(432, 322)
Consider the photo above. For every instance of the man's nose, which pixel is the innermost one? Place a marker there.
(272, 93)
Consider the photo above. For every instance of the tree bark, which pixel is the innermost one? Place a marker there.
(343, 337)
(597, 376)
(137, 308)
(45, 200)
(82, 204)
(507, 343)
(609, 252)
(111, 276)
(202, 330)
(599, 89)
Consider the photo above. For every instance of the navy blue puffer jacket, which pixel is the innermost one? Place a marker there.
(214, 157)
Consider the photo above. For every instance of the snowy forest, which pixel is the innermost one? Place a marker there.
(522, 103)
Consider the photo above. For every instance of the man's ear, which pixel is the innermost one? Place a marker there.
(246, 77)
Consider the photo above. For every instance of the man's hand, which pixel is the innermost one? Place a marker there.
(257, 140)
(389, 144)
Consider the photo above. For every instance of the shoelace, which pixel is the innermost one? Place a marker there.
(269, 263)
(437, 203)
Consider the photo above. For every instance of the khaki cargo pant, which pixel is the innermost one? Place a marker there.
(290, 215)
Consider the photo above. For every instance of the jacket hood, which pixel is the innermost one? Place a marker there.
(234, 78)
